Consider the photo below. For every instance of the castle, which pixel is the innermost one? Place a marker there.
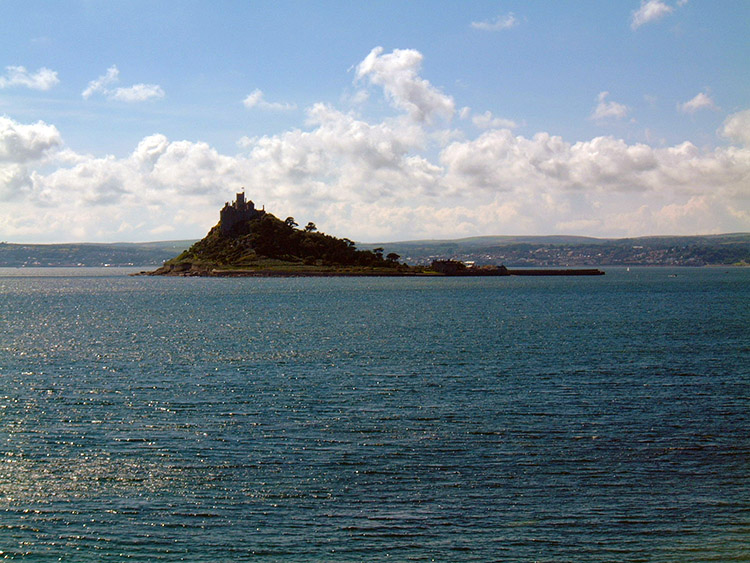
(238, 213)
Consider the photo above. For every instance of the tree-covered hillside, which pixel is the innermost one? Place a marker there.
(267, 241)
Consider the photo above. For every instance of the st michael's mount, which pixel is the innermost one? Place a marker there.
(253, 242)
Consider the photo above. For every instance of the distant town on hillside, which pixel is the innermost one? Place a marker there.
(512, 251)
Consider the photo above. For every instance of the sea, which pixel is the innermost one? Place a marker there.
(529, 419)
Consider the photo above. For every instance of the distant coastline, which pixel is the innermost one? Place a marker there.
(514, 251)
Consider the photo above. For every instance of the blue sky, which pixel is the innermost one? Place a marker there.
(378, 121)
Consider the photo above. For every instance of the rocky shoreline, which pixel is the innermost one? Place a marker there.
(191, 270)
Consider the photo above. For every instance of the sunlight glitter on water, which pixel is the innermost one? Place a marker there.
(305, 419)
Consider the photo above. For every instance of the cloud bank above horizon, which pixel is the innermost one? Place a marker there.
(422, 169)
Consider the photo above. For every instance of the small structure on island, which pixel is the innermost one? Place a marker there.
(457, 268)
(448, 267)
(238, 213)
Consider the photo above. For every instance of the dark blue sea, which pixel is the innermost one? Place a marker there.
(375, 419)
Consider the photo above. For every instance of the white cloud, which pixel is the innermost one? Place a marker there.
(649, 11)
(256, 100)
(101, 84)
(737, 127)
(44, 79)
(22, 146)
(246, 142)
(135, 93)
(364, 181)
(377, 179)
(489, 121)
(605, 109)
(498, 24)
(700, 101)
(194, 168)
(359, 97)
(398, 74)
(21, 143)
(253, 99)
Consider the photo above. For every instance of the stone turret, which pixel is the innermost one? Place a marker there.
(237, 213)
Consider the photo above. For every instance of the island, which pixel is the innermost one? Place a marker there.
(253, 242)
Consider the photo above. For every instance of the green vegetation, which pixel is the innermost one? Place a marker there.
(267, 244)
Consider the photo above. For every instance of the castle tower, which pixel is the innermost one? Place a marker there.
(238, 213)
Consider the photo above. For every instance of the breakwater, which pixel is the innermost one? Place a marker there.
(565, 272)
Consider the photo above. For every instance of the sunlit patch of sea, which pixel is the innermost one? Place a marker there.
(337, 419)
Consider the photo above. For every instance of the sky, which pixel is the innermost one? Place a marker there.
(378, 121)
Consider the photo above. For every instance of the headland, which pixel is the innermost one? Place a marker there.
(250, 242)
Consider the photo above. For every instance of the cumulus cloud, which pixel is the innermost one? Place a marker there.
(649, 11)
(737, 127)
(489, 121)
(606, 110)
(498, 24)
(700, 101)
(136, 93)
(43, 79)
(365, 180)
(256, 99)
(20, 147)
(398, 74)
(21, 143)
(376, 179)
(162, 187)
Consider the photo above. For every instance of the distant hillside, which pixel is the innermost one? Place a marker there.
(520, 251)
(90, 254)
(513, 251)
(266, 243)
